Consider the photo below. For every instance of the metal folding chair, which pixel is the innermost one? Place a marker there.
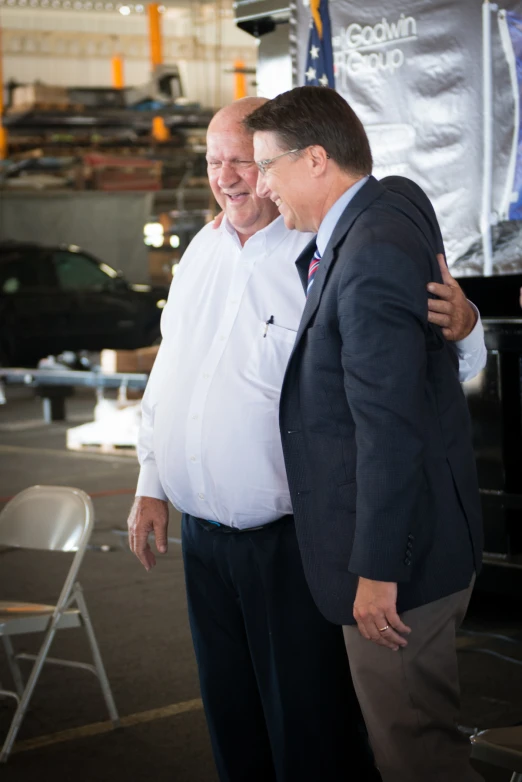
(50, 518)
(501, 747)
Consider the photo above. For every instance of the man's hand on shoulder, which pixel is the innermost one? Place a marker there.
(218, 219)
(147, 515)
(451, 310)
(375, 612)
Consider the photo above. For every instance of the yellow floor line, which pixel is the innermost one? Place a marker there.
(97, 728)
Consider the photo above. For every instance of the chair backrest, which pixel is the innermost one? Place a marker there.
(50, 518)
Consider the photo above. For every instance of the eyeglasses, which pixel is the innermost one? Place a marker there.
(263, 164)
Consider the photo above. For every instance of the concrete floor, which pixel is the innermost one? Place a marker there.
(142, 628)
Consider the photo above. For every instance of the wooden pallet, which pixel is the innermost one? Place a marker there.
(105, 449)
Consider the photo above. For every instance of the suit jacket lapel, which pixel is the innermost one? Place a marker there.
(303, 262)
(361, 201)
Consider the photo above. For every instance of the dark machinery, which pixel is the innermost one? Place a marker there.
(495, 401)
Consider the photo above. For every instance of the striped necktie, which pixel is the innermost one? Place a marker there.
(314, 265)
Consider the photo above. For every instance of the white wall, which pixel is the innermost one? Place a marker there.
(74, 48)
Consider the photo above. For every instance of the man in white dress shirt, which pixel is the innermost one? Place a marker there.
(274, 677)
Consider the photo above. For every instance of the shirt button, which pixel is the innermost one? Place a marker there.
(201, 496)
(206, 375)
(193, 459)
(222, 338)
(195, 417)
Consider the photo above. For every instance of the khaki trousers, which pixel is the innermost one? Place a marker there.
(410, 699)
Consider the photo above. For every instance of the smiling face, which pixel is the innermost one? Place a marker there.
(232, 174)
(287, 182)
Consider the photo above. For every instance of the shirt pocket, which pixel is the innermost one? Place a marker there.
(268, 359)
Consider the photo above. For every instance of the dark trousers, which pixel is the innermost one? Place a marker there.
(274, 674)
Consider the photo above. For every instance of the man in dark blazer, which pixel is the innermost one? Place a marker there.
(376, 433)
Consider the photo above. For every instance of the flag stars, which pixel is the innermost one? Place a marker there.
(311, 74)
(324, 80)
(314, 52)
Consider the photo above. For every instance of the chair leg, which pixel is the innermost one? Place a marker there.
(28, 691)
(98, 662)
(13, 665)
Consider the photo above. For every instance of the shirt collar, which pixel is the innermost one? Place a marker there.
(333, 215)
(268, 238)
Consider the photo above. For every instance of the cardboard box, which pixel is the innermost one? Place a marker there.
(140, 360)
(112, 172)
(31, 94)
(146, 358)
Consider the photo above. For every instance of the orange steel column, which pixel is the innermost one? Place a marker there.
(155, 40)
(240, 85)
(117, 71)
(3, 131)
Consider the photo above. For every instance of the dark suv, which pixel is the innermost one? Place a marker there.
(54, 299)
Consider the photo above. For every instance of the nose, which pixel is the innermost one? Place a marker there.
(262, 189)
(227, 176)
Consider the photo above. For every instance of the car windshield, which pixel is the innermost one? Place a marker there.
(78, 272)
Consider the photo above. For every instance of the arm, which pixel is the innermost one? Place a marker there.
(383, 321)
(460, 322)
(471, 351)
(149, 512)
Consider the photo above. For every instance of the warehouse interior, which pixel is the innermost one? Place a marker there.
(104, 108)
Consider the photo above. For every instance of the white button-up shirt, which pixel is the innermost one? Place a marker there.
(209, 439)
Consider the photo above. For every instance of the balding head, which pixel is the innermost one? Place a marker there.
(233, 115)
(232, 172)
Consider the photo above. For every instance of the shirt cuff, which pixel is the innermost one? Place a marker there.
(475, 339)
(149, 484)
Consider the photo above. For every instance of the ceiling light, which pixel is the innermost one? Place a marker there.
(153, 229)
(124, 10)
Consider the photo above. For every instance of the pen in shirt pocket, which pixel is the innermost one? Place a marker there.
(267, 324)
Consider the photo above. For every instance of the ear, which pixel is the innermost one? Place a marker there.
(318, 158)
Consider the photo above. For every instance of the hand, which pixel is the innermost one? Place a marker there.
(148, 515)
(218, 219)
(375, 608)
(452, 311)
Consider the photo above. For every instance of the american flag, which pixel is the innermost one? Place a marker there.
(319, 70)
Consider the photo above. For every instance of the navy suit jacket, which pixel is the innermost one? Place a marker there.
(374, 423)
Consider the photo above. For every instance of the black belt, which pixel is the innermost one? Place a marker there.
(215, 526)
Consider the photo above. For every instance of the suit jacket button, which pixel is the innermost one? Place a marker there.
(407, 561)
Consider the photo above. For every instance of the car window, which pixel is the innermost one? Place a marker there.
(19, 271)
(77, 272)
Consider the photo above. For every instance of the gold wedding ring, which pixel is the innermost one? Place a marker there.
(384, 628)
